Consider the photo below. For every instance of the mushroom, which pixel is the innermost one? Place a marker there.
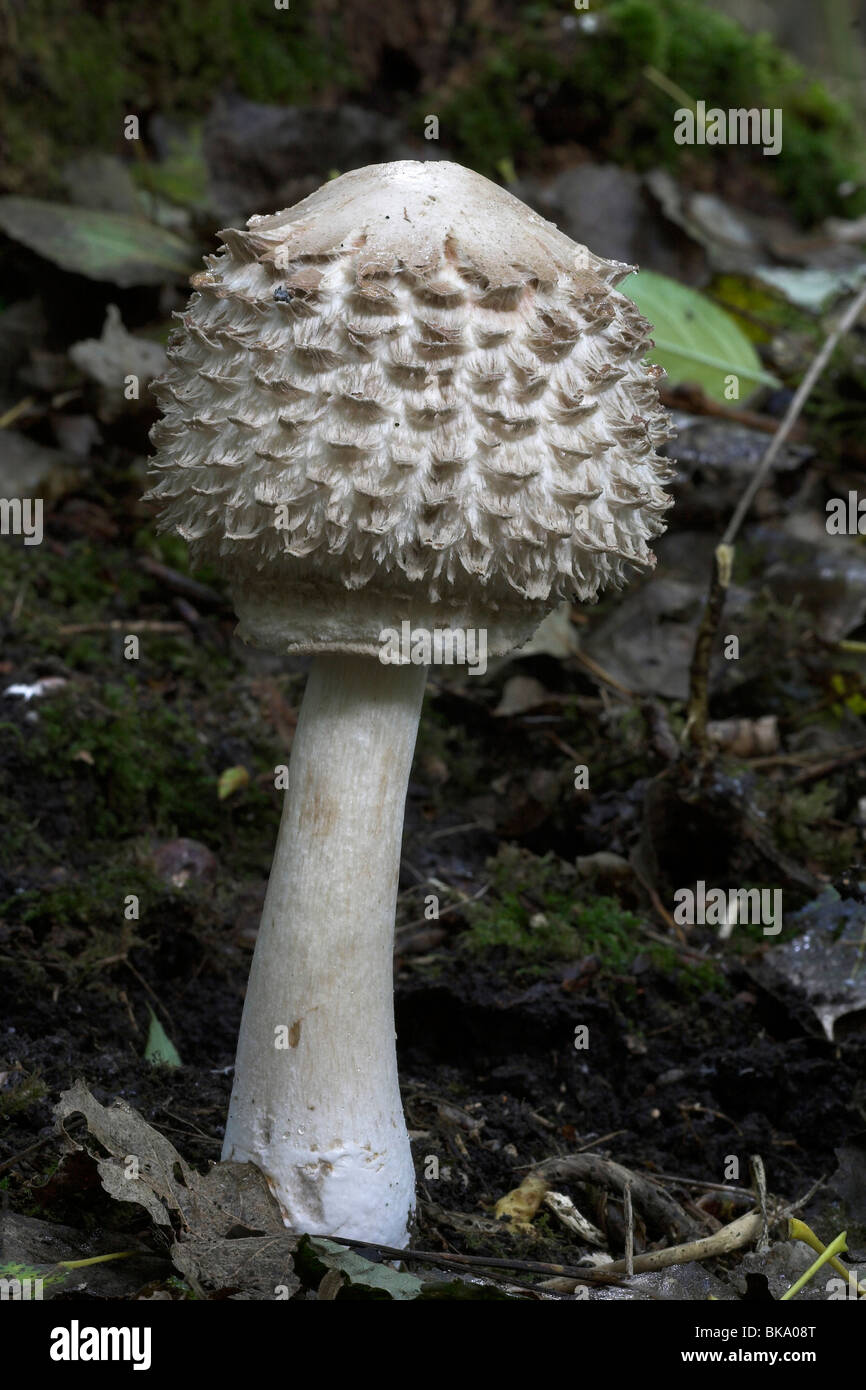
(407, 404)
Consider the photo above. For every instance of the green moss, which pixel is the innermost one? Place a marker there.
(133, 59)
(69, 76)
(537, 911)
(181, 176)
(131, 760)
(806, 828)
(25, 1090)
(491, 121)
(121, 751)
(615, 108)
(42, 1274)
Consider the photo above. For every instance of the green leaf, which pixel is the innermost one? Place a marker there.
(101, 245)
(694, 339)
(231, 781)
(362, 1273)
(159, 1046)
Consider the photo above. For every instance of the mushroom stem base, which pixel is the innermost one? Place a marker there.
(315, 1102)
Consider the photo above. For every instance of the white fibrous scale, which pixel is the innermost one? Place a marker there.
(413, 387)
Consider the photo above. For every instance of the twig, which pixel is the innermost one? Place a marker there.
(455, 830)
(704, 1186)
(602, 1139)
(602, 675)
(562, 745)
(684, 952)
(654, 1202)
(658, 904)
(402, 932)
(759, 1178)
(802, 1202)
(154, 996)
(40, 1143)
(21, 408)
(801, 395)
(821, 769)
(698, 707)
(733, 1237)
(629, 1230)
(581, 1276)
(697, 716)
(181, 584)
(695, 401)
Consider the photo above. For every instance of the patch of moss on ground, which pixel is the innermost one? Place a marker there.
(69, 76)
(127, 747)
(21, 1091)
(597, 79)
(537, 911)
(127, 759)
(805, 826)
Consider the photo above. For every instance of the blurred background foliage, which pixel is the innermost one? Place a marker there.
(510, 83)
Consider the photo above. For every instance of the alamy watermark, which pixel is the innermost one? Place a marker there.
(715, 907)
(438, 646)
(22, 516)
(77, 1343)
(19, 1290)
(846, 516)
(737, 126)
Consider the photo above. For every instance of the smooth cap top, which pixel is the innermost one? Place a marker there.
(409, 397)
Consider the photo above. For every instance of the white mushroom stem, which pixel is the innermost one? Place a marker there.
(315, 1102)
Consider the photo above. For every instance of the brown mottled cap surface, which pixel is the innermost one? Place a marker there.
(409, 397)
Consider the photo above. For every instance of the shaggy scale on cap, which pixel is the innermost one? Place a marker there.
(412, 387)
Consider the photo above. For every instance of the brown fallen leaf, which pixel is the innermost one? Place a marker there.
(229, 1230)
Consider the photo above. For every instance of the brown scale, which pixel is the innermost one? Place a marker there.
(507, 427)
(602, 378)
(428, 417)
(315, 358)
(439, 294)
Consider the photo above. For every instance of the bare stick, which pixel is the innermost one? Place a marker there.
(733, 1237)
(696, 723)
(801, 395)
(759, 1178)
(580, 1276)
(629, 1230)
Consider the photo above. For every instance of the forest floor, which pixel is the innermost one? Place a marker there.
(556, 1006)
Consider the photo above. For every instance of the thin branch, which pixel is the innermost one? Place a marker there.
(759, 1178)
(801, 395)
(629, 1230)
(698, 707)
(390, 1252)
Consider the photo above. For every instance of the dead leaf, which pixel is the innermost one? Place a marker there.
(231, 1234)
(249, 1267)
(103, 245)
(114, 357)
(555, 636)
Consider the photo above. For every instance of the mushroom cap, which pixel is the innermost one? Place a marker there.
(409, 397)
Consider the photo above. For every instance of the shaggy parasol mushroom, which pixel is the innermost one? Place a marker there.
(407, 399)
